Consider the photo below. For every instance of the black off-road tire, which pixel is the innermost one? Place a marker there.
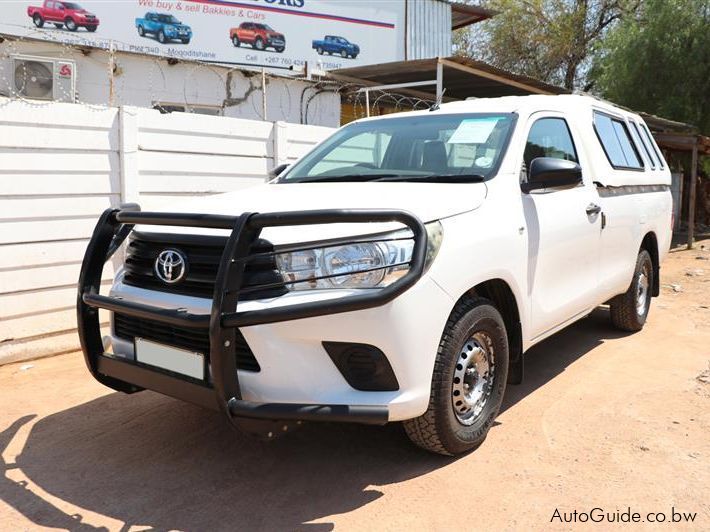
(439, 430)
(624, 309)
(38, 20)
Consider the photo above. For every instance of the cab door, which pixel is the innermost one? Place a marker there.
(563, 226)
(53, 11)
(248, 33)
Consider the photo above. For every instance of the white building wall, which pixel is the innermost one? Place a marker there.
(143, 81)
(62, 164)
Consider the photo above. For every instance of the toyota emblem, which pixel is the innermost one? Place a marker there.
(171, 266)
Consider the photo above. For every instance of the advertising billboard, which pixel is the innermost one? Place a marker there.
(280, 34)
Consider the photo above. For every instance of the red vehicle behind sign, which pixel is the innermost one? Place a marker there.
(63, 14)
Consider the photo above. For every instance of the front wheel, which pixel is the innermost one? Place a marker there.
(630, 309)
(38, 20)
(468, 383)
(161, 37)
(259, 44)
(344, 54)
(70, 24)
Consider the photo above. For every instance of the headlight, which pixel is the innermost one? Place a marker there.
(372, 263)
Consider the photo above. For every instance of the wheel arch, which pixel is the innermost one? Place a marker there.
(650, 244)
(500, 293)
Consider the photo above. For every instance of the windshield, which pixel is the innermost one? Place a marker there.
(168, 19)
(413, 147)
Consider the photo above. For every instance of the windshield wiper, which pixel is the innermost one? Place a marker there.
(351, 177)
(438, 178)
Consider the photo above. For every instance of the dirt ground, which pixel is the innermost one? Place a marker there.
(603, 420)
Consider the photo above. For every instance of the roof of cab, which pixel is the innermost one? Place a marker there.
(521, 104)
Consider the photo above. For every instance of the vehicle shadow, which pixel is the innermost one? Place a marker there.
(549, 358)
(160, 464)
(244, 46)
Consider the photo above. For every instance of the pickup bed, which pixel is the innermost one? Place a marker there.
(165, 28)
(63, 14)
(427, 253)
(334, 45)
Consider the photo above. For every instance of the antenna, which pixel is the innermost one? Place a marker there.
(437, 103)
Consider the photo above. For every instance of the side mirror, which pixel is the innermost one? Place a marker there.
(548, 172)
(278, 170)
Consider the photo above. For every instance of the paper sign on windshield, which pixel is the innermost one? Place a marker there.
(473, 131)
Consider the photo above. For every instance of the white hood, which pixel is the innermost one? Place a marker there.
(428, 201)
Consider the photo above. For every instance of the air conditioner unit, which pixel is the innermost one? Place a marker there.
(44, 78)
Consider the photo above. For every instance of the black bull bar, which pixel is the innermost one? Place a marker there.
(115, 225)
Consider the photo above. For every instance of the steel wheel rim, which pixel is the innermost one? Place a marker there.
(642, 291)
(473, 377)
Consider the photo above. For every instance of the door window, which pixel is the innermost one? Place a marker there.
(550, 137)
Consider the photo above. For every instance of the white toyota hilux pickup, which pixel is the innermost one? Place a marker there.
(397, 272)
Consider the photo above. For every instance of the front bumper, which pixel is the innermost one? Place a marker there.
(224, 392)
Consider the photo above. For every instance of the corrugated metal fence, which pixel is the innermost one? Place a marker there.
(62, 164)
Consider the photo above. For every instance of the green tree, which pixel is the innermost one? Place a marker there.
(551, 40)
(659, 61)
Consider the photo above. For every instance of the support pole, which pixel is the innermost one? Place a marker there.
(263, 93)
(439, 80)
(691, 200)
(367, 103)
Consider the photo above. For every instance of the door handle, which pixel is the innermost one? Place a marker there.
(593, 208)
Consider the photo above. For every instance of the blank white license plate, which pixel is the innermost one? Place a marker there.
(170, 358)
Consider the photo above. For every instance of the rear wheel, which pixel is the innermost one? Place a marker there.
(38, 20)
(235, 41)
(468, 383)
(70, 24)
(319, 50)
(141, 31)
(630, 309)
